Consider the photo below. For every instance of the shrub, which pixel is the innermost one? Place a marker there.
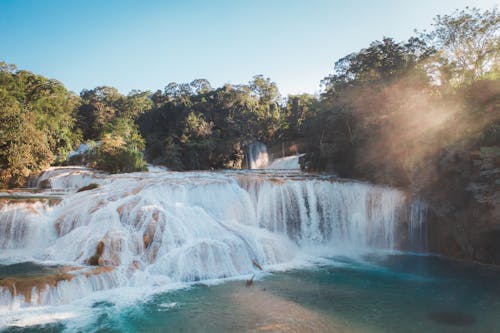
(114, 155)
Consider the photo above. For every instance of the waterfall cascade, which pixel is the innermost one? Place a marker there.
(286, 163)
(24, 225)
(173, 227)
(257, 156)
(67, 178)
(417, 226)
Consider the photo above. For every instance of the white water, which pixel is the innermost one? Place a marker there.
(164, 228)
(315, 212)
(286, 163)
(82, 149)
(417, 226)
(68, 178)
(257, 156)
(24, 225)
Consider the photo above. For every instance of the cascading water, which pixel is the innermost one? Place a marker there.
(24, 225)
(316, 212)
(286, 163)
(417, 226)
(257, 156)
(67, 178)
(161, 228)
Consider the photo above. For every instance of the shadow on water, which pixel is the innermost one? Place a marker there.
(453, 318)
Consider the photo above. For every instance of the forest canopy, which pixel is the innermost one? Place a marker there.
(386, 113)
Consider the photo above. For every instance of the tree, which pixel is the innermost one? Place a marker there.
(201, 86)
(37, 123)
(385, 60)
(99, 106)
(197, 126)
(468, 42)
(104, 105)
(134, 104)
(296, 110)
(120, 148)
(266, 90)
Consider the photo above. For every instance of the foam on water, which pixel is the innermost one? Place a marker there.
(167, 229)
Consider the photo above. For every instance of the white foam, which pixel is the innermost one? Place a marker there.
(68, 178)
(165, 230)
(41, 319)
(167, 306)
(286, 163)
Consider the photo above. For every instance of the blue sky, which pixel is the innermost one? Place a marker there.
(147, 44)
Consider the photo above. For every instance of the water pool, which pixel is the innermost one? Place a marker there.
(389, 293)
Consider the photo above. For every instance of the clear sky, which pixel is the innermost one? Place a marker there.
(147, 44)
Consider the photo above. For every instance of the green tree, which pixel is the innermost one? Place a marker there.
(99, 106)
(120, 148)
(23, 148)
(297, 109)
(209, 128)
(468, 42)
(37, 124)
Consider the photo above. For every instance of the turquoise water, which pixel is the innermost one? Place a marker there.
(396, 293)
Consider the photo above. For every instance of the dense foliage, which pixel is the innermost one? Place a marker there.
(423, 115)
(108, 117)
(36, 123)
(390, 113)
(193, 126)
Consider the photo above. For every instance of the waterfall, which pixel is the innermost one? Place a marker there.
(24, 225)
(318, 211)
(67, 178)
(417, 226)
(173, 227)
(286, 163)
(257, 157)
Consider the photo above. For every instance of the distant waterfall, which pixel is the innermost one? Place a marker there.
(257, 156)
(286, 163)
(417, 226)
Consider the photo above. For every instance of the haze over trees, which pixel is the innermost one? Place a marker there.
(395, 112)
(392, 108)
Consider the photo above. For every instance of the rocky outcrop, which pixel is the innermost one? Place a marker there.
(97, 259)
(464, 206)
(28, 285)
(41, 286)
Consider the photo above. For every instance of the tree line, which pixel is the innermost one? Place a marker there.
(386, 113)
